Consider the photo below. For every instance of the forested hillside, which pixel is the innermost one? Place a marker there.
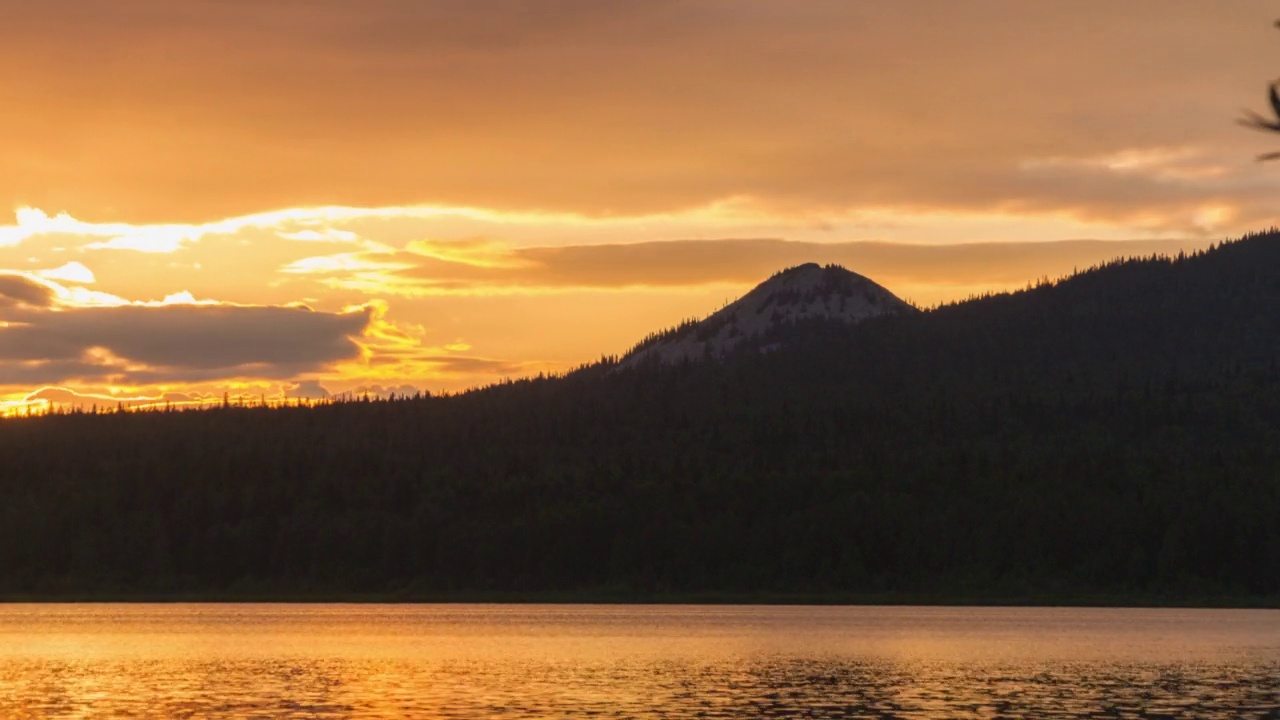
(1114, 433)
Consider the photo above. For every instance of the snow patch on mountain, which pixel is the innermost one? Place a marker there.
(804, 292)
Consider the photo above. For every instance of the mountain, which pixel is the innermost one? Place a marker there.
(1108, 437)
(804, 292)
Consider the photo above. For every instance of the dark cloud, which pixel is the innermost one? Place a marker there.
(33, 373)
(142, 345)
(19, 289)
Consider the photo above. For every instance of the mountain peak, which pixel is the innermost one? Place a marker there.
(803, 292)
(807, 267)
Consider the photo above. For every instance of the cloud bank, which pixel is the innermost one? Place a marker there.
(607, 108)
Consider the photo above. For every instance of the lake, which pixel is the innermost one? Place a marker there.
(611, 661)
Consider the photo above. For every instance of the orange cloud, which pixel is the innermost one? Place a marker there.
(154, 111)
(686, 263)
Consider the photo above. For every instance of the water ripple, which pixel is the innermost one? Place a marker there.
(197, 664)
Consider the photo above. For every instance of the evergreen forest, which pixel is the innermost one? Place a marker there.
(1112, 435)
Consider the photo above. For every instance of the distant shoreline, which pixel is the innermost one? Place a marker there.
(708, 599)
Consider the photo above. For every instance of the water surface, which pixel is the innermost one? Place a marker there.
(469, 661)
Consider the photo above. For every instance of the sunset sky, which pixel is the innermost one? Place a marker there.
(297, 198)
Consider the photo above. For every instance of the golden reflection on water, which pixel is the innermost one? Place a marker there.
(467, 661)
